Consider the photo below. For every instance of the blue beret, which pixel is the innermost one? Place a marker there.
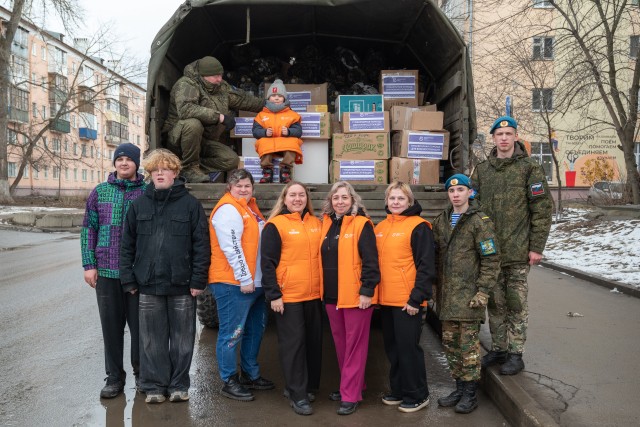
(503, 122)
(458, 179)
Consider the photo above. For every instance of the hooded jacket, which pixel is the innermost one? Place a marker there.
(277, 142)
(515, 195)
(165, 245)
(468, 262)
(407, 258)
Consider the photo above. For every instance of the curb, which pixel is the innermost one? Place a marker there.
(594, 278)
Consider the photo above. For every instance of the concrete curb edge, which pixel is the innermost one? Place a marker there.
(594, 278)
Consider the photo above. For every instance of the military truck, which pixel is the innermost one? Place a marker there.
(412, 34)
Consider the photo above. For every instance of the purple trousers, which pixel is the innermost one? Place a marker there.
(350, 330)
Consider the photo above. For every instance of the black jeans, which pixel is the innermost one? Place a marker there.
(117, 309)
(300, 346)
(167, 336)
(401, 334)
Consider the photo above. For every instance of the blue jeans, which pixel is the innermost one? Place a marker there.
(242, 318)
(167, 336)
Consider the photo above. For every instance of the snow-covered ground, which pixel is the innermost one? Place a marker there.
(610, 248)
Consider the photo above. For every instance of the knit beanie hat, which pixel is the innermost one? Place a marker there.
(210, 66)
(129, 150)
(277, 88)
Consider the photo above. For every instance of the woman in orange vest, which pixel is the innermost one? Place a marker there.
(407, 268)
(350, 274)
(290, 252)
(235, 277)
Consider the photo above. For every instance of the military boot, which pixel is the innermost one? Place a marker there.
(469, 400)
(267, 176)
(455, 395)
(194, 175)
(285, 174)
(513, 365)
(494, 357)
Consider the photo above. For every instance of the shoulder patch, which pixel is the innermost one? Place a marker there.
(537, 189)
(488, 247)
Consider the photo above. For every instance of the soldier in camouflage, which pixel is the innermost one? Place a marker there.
(512, 190)
(468, 268)
(199, 112)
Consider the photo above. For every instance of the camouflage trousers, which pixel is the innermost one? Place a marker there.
(508, 310)
(188, 141)
(461, 344)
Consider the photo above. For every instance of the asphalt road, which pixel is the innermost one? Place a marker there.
(53, 367)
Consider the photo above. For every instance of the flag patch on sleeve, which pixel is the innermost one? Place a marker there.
(537, 189)
(488, 247)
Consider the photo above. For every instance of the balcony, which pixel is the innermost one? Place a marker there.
(112, 139)
(87, 133)
(16, 115)
(60, 125)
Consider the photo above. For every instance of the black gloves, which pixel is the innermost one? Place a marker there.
(229, 122)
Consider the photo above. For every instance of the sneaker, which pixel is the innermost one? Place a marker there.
(236, 391)
(347, 408)
(413, 406)
(259, 383)
(179, 396)
(111, 390)
(301, 407)
(154, 398)
(391, 400)
(335, 396)
(310, 396)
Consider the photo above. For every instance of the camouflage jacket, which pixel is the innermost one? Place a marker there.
(515, 195)
(468, 260)
(194, 98)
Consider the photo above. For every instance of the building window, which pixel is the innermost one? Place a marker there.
(542, 100)
(75, 148)
(46, 172)
(12, 137)
(34, 77)
(542, 3)
(25, 172)
(56, 145)
(34, 50)
(91, 151)
(36, 173)
(73, 121)
(66, 146)
(84, 175)
(75, 174)
(543, 48)
(56, 172)
(43, 52)
(636, 151)
(541, 152)
(34, 110)
(44, 112)
(13, 170)
(634, 43)
(84, 150)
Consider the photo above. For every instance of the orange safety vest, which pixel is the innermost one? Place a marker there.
(298, 271)
(220, 270)
(278, 143)
(397, 267)
(349, 261)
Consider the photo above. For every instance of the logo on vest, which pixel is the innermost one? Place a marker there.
(397, 234)
(294, 231)
(347, 235)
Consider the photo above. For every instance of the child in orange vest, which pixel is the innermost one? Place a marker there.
(278, 130)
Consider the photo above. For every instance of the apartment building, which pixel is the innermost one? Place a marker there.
(88, 106)
(524, 65)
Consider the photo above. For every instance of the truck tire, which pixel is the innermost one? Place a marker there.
(207, 309)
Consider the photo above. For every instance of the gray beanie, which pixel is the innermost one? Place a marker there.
(210, 66)
(277, 88)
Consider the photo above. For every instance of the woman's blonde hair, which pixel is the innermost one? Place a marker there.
(161, 157)
(399, 185)
(277, 208)
(356, 200)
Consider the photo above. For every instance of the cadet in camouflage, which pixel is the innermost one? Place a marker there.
(512, 189)
(468, 262)
(199, 113)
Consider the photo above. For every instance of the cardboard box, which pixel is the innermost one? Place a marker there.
(399, 87)
(361, 146)
(402, 116)
(358, 104)
(420, 144)
(360, 171)
(302, 95)
(316, 125)
(427, 120)
(324, 108)
(365, 122)
(315, 168)
(252, 164)
(414, 171)
(243, 129)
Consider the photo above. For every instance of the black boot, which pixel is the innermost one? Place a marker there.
(513, 365)
(285, 174)
(455, 395)
(267, 176)
(494, 357)
(469, 401)
(234, 390)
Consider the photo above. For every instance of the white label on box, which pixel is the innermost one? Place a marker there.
(366, 122)
(399, 86)
(358, 170)
(244, 127)
(311, 124)
(298, 101)
(252, 164)
(425, 145)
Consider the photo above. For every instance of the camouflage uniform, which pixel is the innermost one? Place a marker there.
(193, 127)
(468, 262)
(514, 193)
